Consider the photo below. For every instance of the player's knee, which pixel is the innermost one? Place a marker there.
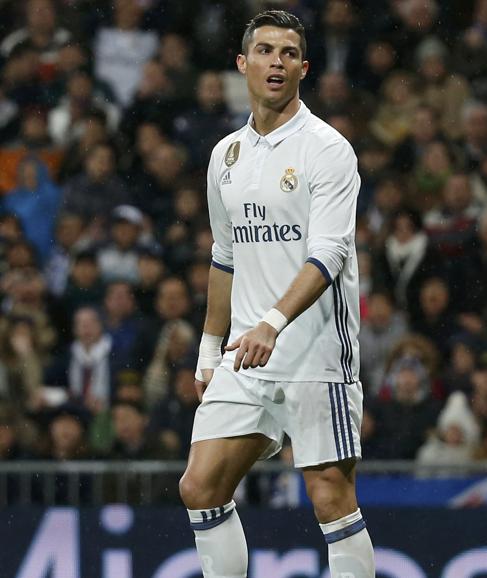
(331, 499)
(188, 490)
(327, 502)
(196, 494)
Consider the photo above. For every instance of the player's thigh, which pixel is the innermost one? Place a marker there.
(216, 466)
(323, 421)
(331, 489)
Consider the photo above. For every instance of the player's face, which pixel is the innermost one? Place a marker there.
(273, 66)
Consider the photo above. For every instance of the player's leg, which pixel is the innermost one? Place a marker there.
(215, 468)
(323, 422)
(331, 488)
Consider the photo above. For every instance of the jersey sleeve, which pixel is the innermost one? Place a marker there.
(334, 185)
(221, 227)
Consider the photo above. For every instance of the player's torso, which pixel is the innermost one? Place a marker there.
(266, 195)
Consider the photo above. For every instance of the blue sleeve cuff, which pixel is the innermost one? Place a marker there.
(225, 268)
(322, 268)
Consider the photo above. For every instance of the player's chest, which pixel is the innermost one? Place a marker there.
(274, 176)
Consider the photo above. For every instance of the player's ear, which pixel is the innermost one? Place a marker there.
(304, 69)
(242, 63)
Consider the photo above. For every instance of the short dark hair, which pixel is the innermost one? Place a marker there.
(279, 18)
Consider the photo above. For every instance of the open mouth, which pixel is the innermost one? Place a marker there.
(275, 81)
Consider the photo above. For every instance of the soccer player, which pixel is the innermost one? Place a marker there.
(282, 193)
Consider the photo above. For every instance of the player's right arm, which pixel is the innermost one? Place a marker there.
(218, 311)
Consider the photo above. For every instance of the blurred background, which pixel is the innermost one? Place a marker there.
(108, 114)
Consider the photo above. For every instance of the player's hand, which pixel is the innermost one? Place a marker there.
(254, 347)
(202, 385)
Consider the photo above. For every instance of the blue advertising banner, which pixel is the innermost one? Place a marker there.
(117, 541)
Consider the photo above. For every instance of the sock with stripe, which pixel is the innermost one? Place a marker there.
(350, 551)
(220, 541)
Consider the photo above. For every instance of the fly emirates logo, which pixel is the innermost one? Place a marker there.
(258, 231)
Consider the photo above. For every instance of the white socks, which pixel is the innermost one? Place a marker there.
(220, 541)
(222, 547)
(350, 552)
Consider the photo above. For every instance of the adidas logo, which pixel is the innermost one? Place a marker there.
(226, 179)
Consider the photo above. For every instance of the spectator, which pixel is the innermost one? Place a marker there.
(374, 159)
(470, 55)
(66, 121)
(41, 32)
(153, 100)
(458, 374)
(151, 271)
(474, 132)
(176, 342)
(453, 442)
(10, 232)
(9, 118)
(67, 440)
(408, 418)
(435, 319)
(179, 237)
(131, 439)
(68, 240)
(451, 228)
(442, 90)
(379, 333)
(175, 57)
(25, 296)
(173, 300)
(22, 360)
(406, 260)
(129, 333)
(208, 122)
(154, 192)
(67, 434)
(172, 418)
(337, 44)
(35, 201)
(379, 61)
(395, 113)
(436, 165)
(95, 192)
(413, 348)
(84, 285)
(389, 197)
(334, 97)
(20, 76)
(89, 365)
(424, 129)
(93, 131)
(121, 50)
(118, 257)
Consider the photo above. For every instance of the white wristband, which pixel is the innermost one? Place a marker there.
(210, 354)
(276, 319)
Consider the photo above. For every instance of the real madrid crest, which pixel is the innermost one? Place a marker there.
(289, 181)
(231, 156)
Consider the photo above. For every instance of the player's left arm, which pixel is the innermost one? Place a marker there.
(334, 187)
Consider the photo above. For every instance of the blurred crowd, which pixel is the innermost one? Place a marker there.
(108, 114)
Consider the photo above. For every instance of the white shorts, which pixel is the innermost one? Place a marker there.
(322, 419)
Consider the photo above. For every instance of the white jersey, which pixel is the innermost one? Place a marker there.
(276, 202)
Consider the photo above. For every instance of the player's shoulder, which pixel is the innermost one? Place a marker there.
(222, 147)
(323, 137)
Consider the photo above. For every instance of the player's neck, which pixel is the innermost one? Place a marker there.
(267, 119)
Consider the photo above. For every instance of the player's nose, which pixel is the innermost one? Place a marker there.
(277, 62)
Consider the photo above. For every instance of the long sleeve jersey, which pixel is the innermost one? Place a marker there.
(276, 202)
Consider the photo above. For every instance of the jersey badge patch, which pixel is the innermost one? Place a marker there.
(289, 181)
(231, 156)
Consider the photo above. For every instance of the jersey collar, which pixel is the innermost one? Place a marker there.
(287, 129)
